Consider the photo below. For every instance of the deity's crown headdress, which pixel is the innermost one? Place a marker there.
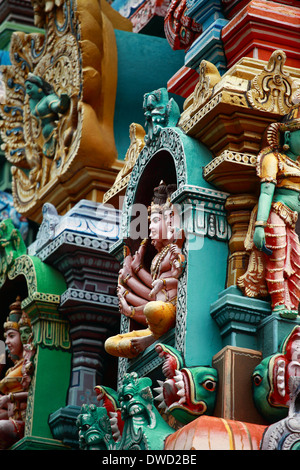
(161, 196)
(24, 320)
(12, 321)
(290, 122)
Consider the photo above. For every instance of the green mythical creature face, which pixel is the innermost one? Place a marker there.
(136, 398)
(94, 429)
(271, 378)
(144, 427)
(187, 392)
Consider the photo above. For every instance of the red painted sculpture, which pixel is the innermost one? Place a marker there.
(274, 266)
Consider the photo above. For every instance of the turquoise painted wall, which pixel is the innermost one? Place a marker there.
(207, 257)
(206, 279)
(145, 63)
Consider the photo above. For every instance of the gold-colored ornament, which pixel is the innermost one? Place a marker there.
(77, 57)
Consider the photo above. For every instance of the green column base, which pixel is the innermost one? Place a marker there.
(63, 425)
(272, 331)
(38, 443)
(238, 318)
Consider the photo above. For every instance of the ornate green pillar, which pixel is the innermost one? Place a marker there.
(39, 286)
(50, 383)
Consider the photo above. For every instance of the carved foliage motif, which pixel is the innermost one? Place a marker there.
(272, 89)
(208, 77)
(55, 58)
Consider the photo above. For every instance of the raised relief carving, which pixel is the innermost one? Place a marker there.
(159, 112)
(272, 90)
(137, 143)
(55, 111)
(272, 240)
(209, 76)
(128, 419)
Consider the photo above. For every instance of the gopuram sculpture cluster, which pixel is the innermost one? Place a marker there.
(149, 232)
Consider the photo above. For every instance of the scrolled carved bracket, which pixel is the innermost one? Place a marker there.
(273, 89)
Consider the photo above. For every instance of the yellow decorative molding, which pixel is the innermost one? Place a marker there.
(273, 89)
(230, 114)
(137, 143)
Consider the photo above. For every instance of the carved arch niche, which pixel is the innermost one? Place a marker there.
(173, 157)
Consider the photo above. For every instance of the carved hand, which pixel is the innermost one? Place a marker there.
(157, 287)
(4, 400)
(259, 238)
(138, 257)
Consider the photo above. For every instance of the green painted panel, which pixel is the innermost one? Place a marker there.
(206, 279)
(50, 388)
(49, 280)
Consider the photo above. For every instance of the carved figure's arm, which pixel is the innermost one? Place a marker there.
(163, 283)
(4, 399)
(264, 207)
(127, 278)
(132, 312)
(18, 396)
(59, 105)
(138, 267)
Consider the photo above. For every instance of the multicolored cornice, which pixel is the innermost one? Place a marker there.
(260, 28)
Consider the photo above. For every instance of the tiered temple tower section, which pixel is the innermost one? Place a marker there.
(233, 29)
(76, 60)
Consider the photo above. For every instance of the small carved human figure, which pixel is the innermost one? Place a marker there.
(13, 398)
(26, 335)
(45, 105)
(150, 297)
(285, 434)
(274, 267)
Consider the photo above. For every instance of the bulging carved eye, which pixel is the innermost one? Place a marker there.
(127, 397)
(257, 379)
(209, 385)
(85, 427)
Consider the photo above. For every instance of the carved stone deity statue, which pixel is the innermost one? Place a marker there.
(13, 397)
(29, 350)
(274, 266)
(150, 297)
(46, 106)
